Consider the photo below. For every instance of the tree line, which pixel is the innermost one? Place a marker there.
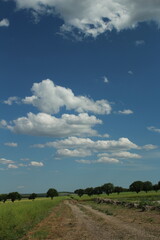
(109, 188)
(12, 196)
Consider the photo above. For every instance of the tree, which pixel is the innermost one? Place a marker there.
(108, 188)
(147, 186)
(118, 189)
(89, 191)
(14, 196)
(136, 186)
(159, 185)
(79, 192)
(155, 187)
(3, 197)
(97, 190)
(32, 196)
(52, 193)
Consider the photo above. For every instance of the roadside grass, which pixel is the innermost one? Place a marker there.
(17, 218)
(125, 196)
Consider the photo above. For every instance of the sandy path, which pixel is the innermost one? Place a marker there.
(73, 221)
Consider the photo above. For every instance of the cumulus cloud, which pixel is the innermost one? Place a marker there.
(92, 18)
(11, 100)
(73, 153)
(4, 22)
(99, 160)
(13, 166)
(3, 124)
(126, 112)
(89, 144)
(5, 161)
(36, 164)
(153, 129)
(11, 144)
(122, 155)
(49, 98)
(44, 124)
(149, 147)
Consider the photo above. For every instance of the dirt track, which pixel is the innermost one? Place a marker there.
(73, 221)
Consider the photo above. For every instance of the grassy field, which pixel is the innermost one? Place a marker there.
(126, 196)
(19, 217)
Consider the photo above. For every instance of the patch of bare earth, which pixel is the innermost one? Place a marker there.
(73, 221)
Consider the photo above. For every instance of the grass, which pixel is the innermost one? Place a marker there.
(17, 218)
(125, 196)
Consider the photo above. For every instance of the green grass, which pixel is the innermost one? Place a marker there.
(125, 196)
(17, 218)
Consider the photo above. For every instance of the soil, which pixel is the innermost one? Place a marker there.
(71, 220)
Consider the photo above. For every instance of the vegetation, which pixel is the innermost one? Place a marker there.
(18, 218)
(52, 193)
(109, 188)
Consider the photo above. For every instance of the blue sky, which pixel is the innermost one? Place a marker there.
(79, 94)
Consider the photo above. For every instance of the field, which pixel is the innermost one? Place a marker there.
(72, 218)
(19, 217)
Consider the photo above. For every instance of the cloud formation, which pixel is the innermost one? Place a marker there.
(11, 144)
(154, 129)
(43, 124)
(36, 164)
(92, 18)
(49, 98)
(4, 22)
(126, 112)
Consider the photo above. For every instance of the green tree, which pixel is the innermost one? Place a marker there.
(14, 196)
(155, 187)
(97, 190)
(52, 193)
(79, 192)
(89, 191)
(108, 188)
(136, 186)
(3, 197)
(147, 186)
(118, 189)
(32, 196)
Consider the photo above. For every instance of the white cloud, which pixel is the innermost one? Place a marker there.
(13, 166)
(122, 155)
(11, 100)
(4, 22)
(84, 161)
(139, 42)
(44, 124)
(11, 144)
(105, 79)
(154, 129)
(49, 98)
(36, 164)
(126, 112)
(98, 16)
(5, 161)
(73, 153)
(3, 124)
(149, 147)
(99, 160)
(87, 143)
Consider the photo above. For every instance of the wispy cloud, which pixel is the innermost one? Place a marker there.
(139, 42)
(154, 129)
(36, 164)
(105, 79)
(125, 112)
(11, 144)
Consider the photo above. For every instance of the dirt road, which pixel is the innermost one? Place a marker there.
(73, 221)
